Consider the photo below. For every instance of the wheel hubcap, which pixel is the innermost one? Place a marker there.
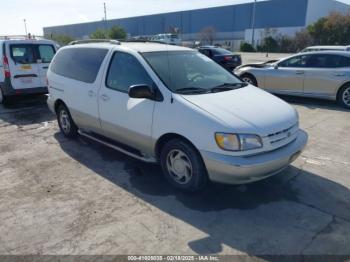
(346, 96)
(64, 120)
(248, 80)
(179, 166)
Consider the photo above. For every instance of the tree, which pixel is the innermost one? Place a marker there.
(117, 32)
(99, 34)
(246, 47)
(331, 30)
(62, 40)
(269, 44)
(207, 35)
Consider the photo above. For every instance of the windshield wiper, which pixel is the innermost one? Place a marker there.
(192, 90)
(227, 87)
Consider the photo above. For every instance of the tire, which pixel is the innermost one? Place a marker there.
(65, 122)
(3, 99)
(250, 79)
(183, 166)
(344, 96)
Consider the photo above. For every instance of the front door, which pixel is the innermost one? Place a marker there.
(127, 120)
(287, 77)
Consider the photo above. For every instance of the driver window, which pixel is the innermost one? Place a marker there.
(297, 61)
(124, 71)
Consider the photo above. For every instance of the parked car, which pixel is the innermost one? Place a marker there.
(170, 39)
(173, 105)
(326, 48)
(23, 66)
(222, 56)
(323, 74)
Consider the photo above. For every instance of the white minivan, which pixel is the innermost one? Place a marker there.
(23, 66)
(174, 106)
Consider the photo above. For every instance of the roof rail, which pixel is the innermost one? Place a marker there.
(142, 41)
(90, 41)
(20, 37)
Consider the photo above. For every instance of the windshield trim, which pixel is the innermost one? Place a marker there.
(174, 51)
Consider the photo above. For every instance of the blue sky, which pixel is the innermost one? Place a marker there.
(40, 13)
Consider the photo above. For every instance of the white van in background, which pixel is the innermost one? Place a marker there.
(23, 66)
(170, 39)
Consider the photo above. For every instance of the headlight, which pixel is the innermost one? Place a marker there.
(238, 142)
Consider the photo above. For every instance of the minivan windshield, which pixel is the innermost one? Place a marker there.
(191, 72)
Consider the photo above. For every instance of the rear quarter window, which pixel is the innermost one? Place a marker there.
(82, 64)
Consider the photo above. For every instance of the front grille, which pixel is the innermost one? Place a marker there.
(284, 136)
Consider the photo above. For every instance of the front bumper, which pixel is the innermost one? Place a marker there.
(242, 170)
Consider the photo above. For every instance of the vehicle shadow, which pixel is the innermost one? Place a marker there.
(26, 110)
(282, 215)
(313, 103)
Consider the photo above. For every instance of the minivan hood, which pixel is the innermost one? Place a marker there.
(248, 110)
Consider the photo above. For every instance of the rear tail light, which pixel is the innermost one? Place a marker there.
(6, 67)
(227, 58)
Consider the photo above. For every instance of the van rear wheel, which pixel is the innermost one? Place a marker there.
(66, 123)
(183, 166)
(3, 98)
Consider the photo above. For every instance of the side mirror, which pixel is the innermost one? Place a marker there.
(276, 66)
(141, 91)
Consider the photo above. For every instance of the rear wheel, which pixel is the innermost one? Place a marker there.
(3, 98)
(250, 79)
(183, 166)
(344, 96)
(66, 123)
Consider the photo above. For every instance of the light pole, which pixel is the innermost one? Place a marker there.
(105, 12)
(25, 26)
(253, 23)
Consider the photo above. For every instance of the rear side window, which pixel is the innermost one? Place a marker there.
(46, 53)
(22, 54)
(328, 61)
(124, 71)
(80, 64)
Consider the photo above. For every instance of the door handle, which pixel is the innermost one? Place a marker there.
(299, 72)
(91, 93)
(105, 97)
(45, 67)
(339, 74)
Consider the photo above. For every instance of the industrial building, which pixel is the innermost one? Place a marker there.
(229, 25)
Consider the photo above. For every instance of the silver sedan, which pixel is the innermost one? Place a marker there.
(316, 74)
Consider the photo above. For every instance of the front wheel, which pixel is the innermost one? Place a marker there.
(66, 123)
(247, 78)
(183, 166)
(344, 96)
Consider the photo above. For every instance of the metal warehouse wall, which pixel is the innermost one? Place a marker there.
(235, 18)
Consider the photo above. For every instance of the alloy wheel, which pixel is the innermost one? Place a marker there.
(346, 96)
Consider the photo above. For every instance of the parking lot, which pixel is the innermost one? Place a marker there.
(79, 197)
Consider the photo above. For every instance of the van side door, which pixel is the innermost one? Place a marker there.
(45, 53)
(124, 119)
(76, 80)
